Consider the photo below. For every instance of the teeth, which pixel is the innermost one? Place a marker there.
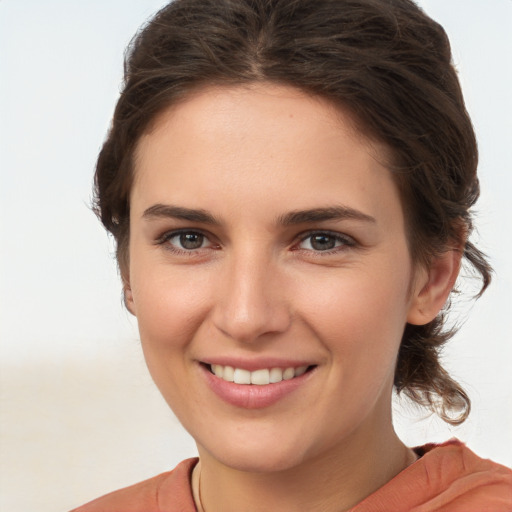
(257, 377)
(242, 376)
(218, 370)
(301, 370)
(260, 377)
(229, 373)
(288, 374)
(276, 375)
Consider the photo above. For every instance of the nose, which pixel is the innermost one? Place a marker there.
(251, 300)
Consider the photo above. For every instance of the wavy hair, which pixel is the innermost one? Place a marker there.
(385, 61)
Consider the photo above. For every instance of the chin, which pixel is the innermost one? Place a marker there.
(260, 462)
(257, 457)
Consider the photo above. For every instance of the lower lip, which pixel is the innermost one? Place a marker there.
(252, 396)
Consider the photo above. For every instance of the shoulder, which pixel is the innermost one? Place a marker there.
(464, 481)
(453, 462)
(167, 492)
(448, 477)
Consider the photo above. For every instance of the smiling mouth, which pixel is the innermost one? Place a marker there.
(261, 377)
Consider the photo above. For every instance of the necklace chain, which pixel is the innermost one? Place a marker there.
(196, 487)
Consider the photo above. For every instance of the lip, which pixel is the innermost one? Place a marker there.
(249, 396)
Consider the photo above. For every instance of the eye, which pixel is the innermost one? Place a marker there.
(325, 241)
(184, 241)
(190, 240)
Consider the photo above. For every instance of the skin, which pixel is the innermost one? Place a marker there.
(257, 287)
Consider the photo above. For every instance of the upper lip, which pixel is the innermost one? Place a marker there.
(257, 363)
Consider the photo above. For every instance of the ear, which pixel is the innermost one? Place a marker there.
(433, 286)
(128, 297)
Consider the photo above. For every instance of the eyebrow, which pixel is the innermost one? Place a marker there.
(287, 219)
(324, 214)
(179, 212)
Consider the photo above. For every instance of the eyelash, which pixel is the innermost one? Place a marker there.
(165, 238)
(344, 240)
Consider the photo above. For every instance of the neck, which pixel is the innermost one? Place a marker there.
(332, 482)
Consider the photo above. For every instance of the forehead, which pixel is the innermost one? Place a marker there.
(266, 144)
(247, 103)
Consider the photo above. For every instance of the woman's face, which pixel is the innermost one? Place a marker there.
(268, 242)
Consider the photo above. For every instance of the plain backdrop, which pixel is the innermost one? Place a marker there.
(79, 414)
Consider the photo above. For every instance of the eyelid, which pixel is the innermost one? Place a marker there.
(163, 239)
(169, 234)
(347, 240)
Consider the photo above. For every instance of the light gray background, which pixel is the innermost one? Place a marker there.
(79, 414)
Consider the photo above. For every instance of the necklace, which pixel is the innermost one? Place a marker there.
(196, 484)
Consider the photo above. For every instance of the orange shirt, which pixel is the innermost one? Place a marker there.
(447, 478)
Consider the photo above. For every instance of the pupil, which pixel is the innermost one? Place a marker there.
(191, 240)
(322, 242)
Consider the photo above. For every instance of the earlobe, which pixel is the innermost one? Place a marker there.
(434, 287)
(128, 298)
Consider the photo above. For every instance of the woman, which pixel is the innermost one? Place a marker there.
(289, 184)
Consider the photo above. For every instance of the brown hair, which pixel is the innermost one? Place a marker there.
(384, 60)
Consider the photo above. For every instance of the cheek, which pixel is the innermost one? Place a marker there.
(360, 315)
(170, 310)
(169, 305)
